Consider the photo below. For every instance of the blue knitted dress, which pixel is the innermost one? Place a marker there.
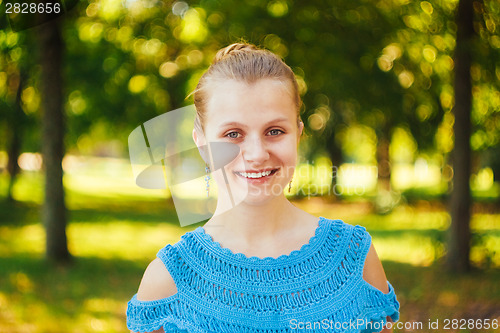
(319, 288)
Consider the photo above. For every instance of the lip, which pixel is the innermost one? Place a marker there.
(257, 180)
(257, 171)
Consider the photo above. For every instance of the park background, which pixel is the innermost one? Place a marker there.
(402, 114)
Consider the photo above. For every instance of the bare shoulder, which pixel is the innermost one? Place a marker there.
(157, 283)
(373, 272)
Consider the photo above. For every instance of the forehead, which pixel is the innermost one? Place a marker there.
(249, 103)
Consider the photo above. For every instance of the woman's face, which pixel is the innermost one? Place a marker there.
(261, 119)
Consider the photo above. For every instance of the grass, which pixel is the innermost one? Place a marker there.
(114, 234)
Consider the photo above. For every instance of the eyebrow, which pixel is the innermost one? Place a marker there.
(237, 124)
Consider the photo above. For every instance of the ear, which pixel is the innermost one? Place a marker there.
(198, 138)
(301, 128)
(201, 143)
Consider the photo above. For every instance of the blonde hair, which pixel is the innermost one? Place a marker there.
(247, 63)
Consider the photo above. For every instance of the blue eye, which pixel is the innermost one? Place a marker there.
(275, 132)
(233, 135)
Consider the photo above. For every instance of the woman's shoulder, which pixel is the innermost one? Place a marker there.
(373, 272)
(340, 226)
(156, 283)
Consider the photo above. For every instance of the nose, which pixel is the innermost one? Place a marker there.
(255, 150)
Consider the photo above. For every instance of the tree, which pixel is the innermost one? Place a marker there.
(459, 232)
(17, 122)
(54, 207)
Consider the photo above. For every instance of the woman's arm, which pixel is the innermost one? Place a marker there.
(374, 274)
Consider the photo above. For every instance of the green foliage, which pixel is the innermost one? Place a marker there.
(382, 64)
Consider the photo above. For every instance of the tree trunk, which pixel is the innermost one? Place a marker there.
(16, 128)
(459, 232)
(383, 163)
(386, 199)
(54, 208)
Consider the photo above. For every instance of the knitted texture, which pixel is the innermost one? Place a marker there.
(319, 288)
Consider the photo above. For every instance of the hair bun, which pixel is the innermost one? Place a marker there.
(233, 49)
(243, 62)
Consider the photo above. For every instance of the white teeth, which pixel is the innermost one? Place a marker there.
(255, 175)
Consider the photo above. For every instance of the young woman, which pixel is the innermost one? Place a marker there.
(262, 265)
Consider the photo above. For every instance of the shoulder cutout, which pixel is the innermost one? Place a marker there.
(157, 283)
(373, 272)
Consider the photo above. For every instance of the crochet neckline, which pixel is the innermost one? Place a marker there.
(216, 247)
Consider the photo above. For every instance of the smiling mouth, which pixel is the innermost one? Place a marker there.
(256, 175)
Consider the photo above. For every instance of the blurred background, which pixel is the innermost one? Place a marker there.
(402, 114)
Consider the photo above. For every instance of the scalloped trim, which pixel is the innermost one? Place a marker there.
(216, 246)
(170, 324)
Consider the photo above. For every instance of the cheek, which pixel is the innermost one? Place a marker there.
(287, 151)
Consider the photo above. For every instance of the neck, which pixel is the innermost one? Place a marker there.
(254, 223)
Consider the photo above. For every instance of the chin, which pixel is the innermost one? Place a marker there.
(259, 196)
